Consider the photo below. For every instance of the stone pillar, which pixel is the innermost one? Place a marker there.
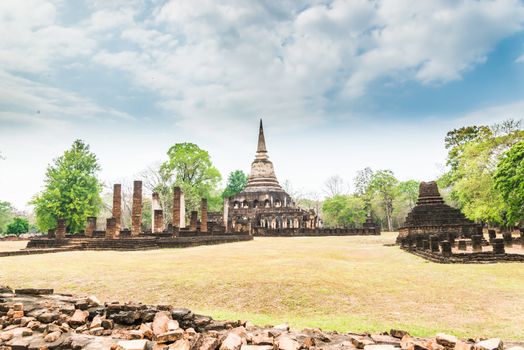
(225, 213)
(51, 233)
(508, 240)
(522, 237)
(476, 243)
(159, 221)
(136, 214)
(177, 196)
(117, 206)
(425, 244)
(91, 226)
(498, 246)
(111, 228)
(60, 229)
(492, 235)
(203, 215)
(193, 222)
(155, 205)
(462, 245)
(446, 248)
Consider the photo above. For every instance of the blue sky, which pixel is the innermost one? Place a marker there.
(341, 85)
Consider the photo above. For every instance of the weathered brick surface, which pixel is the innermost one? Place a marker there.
(60, 229)
(203, 213)
(117, 206)
(90, 226)
(159, 220)
(136, 219)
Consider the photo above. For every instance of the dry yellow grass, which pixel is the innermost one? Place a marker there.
(343, 283)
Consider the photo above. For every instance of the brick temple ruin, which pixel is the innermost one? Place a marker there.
(162, 235)
(440, 233)
(264, 208)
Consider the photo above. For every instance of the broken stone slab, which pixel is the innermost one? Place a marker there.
(381, 347)
(52, 337)
(169, 337)
(446, 340)
(160, 322)
(256, 347)
(382, 339)
(209, 343)
(79, 318)
(360, 341)
(232, 342)
(489, 344)
(131, 345)
(397, 333)
(34, 291)
(181, 344)
(285, 342)
(461, 345)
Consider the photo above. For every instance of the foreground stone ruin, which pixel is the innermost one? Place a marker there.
(439, 233)
(37, 319)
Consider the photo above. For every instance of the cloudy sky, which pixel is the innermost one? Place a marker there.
(341, 85)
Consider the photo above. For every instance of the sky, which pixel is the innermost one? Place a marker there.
(340, 85)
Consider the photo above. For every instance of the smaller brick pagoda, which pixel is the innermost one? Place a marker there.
(431, 216)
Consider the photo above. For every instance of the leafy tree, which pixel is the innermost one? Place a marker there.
(236, 182)
(455, 141)
(408, 192)
(509, 180)
(6, 215)
(190, 167)
(383, 184)
(344, 211)
(18, 226)
(472, 178)
(72, 190)
(362, 182)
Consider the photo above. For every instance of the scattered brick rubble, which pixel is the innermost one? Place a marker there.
(37, 319)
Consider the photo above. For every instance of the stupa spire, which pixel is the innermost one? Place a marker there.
(261, 148)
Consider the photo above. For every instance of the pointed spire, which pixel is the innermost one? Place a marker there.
(261, 148)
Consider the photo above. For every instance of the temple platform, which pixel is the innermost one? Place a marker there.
(146, 242)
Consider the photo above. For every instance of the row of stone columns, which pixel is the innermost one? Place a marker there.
(157, 224)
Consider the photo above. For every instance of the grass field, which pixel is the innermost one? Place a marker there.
(342, 283)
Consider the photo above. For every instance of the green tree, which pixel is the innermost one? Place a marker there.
(408, 192)
(362, 188)
(509, 180)
(384, 186)
(18, 226)
(6, 215)
(236, 182)
(190, 167)
(344, 211)
(472, 178)
(72, 190)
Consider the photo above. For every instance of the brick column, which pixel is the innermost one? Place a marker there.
(508, 239)
(117, 206)
(155, 204)
(111, 228)
(177, 196)
(498, 246)
(492, 235)
(91, 226)
(225, 218)
(446, 248)
(193, 222)
(159, 221)
(136, 216)
(60, 229)
(203, 215)
(476, 243)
